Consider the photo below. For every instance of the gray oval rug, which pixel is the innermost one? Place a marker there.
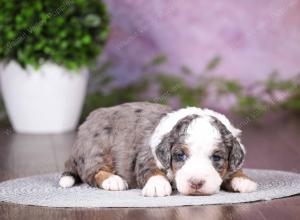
(44, 191)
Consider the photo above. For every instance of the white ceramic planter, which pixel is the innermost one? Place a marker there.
(43, 101)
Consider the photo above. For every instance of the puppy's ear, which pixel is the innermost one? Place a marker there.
(176, 135)
(236, 154)
(163, 151)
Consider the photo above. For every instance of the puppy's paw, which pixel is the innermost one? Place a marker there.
(243, 185)
(157, 186)
(114, 183)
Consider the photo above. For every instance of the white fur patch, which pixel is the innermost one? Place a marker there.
(66, 181)
(202, 137)
(114, 183)
(203, 171)
(157, 186)
(243, 185)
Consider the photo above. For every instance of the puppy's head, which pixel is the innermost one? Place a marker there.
(200, 151)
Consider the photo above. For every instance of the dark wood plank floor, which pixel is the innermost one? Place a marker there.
(271, 144)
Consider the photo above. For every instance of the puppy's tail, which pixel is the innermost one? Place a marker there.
(69, 177)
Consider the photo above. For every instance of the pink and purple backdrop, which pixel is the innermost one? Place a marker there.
(253, 37)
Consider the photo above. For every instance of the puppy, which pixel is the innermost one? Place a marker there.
(150, 146)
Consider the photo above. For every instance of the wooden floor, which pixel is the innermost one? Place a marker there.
(273, 144)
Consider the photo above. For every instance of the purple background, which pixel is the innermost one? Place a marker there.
(253, 37)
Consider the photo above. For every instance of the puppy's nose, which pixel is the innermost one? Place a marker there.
(196, 184)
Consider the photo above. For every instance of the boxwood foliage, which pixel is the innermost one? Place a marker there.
(67, 32)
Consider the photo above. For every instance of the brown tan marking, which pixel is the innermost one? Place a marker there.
(186, 149)
(227, 183)
(103, 174)
(223, 171)
(158, 173)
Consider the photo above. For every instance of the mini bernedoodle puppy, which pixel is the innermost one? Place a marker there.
(150, 146)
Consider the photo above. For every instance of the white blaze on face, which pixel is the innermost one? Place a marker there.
(202, 138)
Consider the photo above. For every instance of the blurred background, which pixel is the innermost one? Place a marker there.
(238, 57)
(252, 38)
(249, 49)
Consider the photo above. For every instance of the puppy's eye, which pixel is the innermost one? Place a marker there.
(180, 156)
(216, 157)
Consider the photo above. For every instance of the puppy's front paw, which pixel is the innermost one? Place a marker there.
(157, 186)
(114, 183)
(243, 185)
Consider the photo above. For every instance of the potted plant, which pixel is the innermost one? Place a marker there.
(45, 49)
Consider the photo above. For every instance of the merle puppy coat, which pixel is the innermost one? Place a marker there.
(150, 146)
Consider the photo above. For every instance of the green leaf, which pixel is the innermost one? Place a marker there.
(86, 39)
(11, 35)
(213, 63)
(233, 86)
(158, 60)
(32, 32)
